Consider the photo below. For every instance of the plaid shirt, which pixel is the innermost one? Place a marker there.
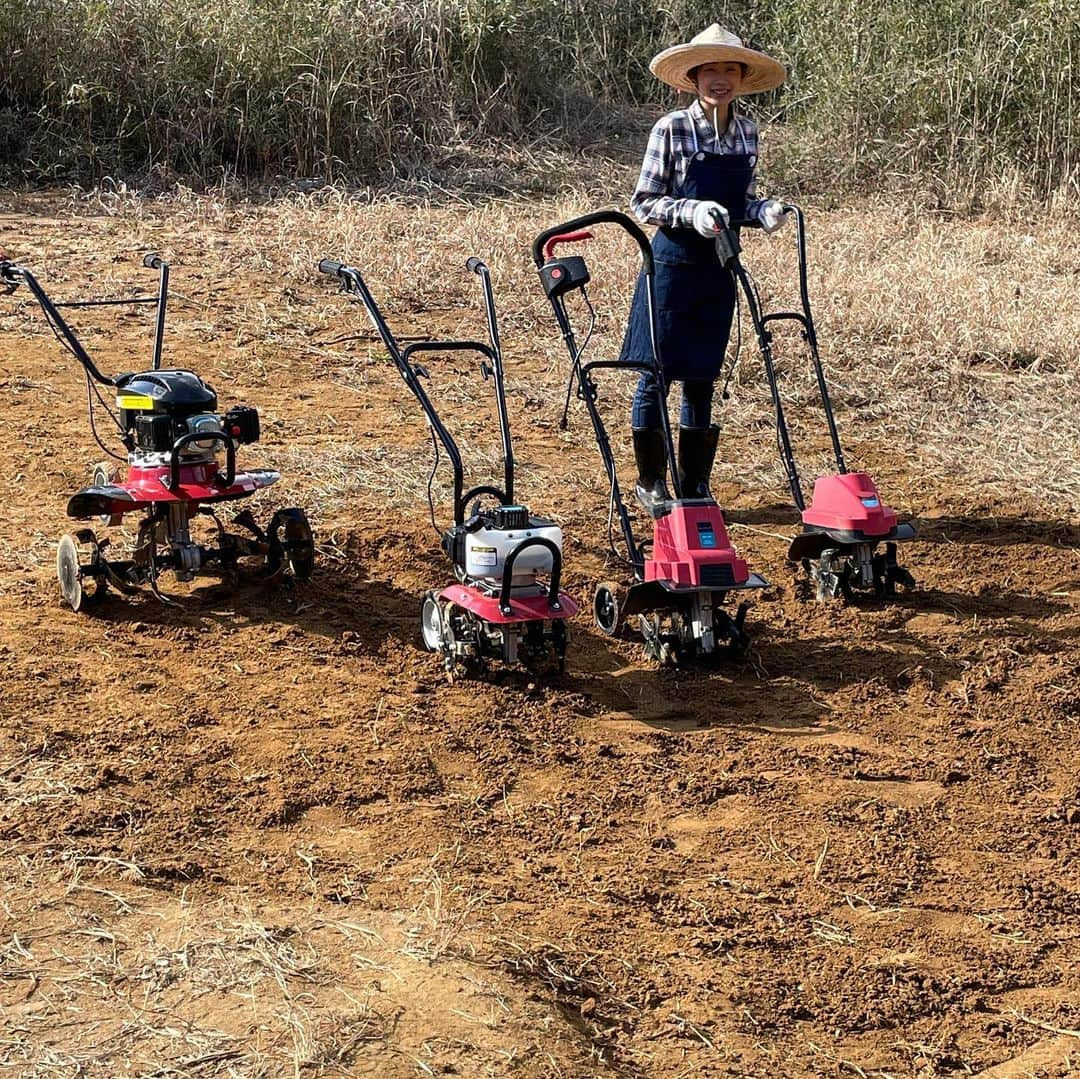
(673, 142)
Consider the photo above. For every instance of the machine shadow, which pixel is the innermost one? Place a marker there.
(838, 663)
(990, 604)
(328, 606)
(615, 676)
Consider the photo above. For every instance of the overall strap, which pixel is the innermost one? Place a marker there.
(716, 135)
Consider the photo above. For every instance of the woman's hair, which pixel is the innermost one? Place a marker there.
(692, 73)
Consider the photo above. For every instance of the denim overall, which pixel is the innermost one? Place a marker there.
(694, 295)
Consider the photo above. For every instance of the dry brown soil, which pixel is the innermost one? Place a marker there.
(260, 834)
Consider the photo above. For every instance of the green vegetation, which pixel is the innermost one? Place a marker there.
(965, 95)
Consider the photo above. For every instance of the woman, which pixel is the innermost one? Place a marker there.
(698, 170)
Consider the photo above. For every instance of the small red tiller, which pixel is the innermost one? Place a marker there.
(678, 591)
(501, 606)
(169, 424)
(846, 520)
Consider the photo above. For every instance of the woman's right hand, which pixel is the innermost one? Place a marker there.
(709, 218)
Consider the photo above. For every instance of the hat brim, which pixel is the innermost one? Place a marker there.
(674, 65)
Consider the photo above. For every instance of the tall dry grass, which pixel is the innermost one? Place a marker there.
(956, 97)
(952, 344)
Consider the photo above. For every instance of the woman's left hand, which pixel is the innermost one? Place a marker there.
(771, 215)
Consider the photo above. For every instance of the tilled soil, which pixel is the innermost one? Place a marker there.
(261, 833)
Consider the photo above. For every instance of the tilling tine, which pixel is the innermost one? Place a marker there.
(506, 604)
(169, 424)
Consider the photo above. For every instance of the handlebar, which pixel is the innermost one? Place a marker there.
(579, 223)
(331, 267)
(755, 223)
(447, 346)
(565, 238)
(220, 481)
(474, 265)
(153, 261)
(505, 605)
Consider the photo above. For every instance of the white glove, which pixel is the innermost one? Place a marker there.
(771, 215)
(705, 214)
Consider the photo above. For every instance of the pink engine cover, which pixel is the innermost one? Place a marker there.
(849, 502)
(523, 608)
(688, 538)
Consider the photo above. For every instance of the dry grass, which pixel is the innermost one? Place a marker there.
(952, 342)
(103, 976)
(946, 97)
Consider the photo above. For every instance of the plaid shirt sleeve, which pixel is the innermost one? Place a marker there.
(652, 201)
(671, 144)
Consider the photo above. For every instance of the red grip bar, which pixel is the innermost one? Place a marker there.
(566, 238)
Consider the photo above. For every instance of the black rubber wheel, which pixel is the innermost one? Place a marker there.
(607, 610)
(299, 543)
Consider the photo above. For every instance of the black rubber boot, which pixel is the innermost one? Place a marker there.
(697, 451)
(650, 453)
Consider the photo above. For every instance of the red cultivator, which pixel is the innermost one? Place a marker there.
(678, 593)
(507, 604)
(849, 536)
(174, 436)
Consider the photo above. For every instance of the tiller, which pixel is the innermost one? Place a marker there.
(169, 424)
(849, 535)
(506, 603)
(677, 592)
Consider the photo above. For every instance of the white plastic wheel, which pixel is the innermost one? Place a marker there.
(432, 630)
(80, 590)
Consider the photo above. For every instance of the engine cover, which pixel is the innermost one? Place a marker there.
(482, 544)
(177, 394)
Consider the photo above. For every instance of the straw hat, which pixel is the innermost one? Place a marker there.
(716, 46)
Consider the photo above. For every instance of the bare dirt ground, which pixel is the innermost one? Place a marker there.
(261, 834)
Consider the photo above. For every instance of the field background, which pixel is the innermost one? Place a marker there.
(262, 835)
(963, 100)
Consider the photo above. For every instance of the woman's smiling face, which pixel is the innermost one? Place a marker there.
(718, 84)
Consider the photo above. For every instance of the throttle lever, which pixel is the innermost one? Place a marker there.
(565, 238)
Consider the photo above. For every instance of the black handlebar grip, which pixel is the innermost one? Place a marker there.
(755, 223)
(578, 223)
(329, 266)
(474, 265)
(152, 260)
